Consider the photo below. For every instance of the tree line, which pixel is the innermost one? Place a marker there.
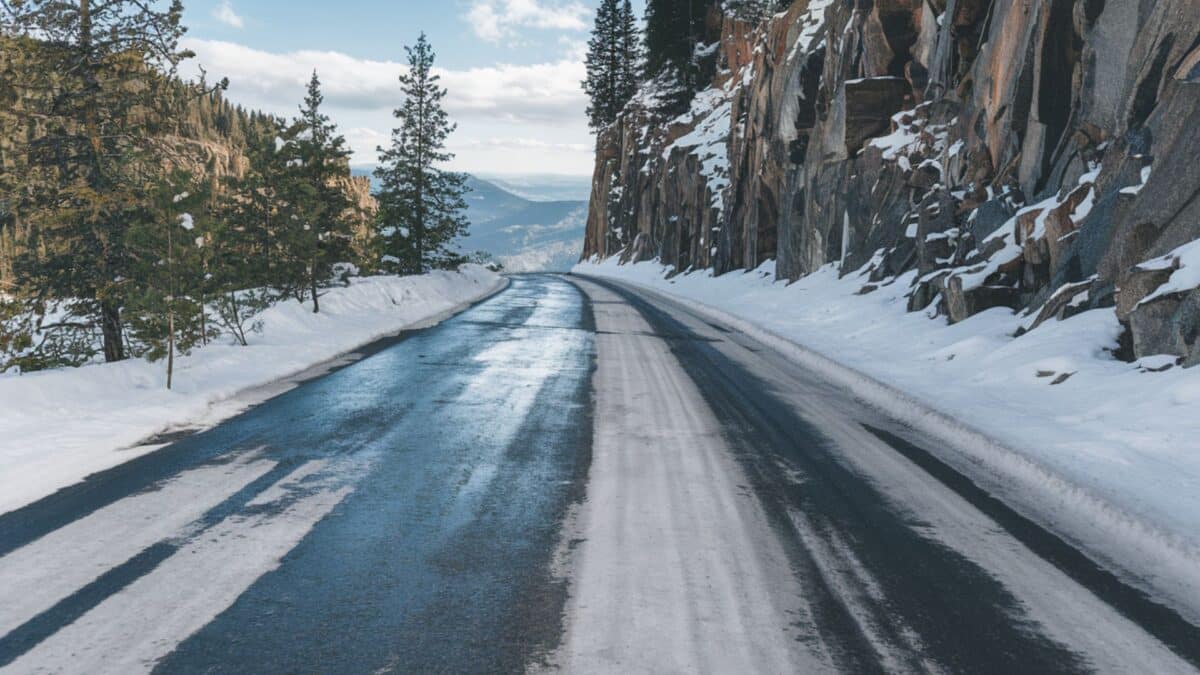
(128, 243)
(668, 53)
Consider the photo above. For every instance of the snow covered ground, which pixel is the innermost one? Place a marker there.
(1104, 451)
(59, 426)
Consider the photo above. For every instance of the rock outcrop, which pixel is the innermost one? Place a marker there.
(1030, 154)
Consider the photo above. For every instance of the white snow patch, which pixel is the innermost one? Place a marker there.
(1185, 260)
(711, 113)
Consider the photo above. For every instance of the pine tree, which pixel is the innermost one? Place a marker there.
(104, 71)
(604, 66)
(245, 248)
(674, 29)
(630, 39)
(613, 62)
(165, 241)
(318, 229)
(421, 206)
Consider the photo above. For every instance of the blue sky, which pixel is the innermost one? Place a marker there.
(512, 67)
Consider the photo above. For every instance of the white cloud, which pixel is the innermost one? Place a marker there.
(512, 118)
(493, 20)
(520, 143)
(543, 92)
(225, 14)
(365, 140)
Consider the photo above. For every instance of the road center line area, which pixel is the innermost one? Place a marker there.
(574, 476)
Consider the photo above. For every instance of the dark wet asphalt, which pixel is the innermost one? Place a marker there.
(475, 437)
(465, 445)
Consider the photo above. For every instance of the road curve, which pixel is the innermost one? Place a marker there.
(573, 475)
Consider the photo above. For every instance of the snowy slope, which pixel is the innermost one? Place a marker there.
(1110, 455)
(61, 425)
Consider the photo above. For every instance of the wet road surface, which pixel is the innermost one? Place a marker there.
(570, 475)
(400, 513)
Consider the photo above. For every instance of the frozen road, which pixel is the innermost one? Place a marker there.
(569, 476)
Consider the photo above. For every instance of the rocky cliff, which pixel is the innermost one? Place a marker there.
(1035, 154)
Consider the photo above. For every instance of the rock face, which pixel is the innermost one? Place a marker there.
(1029, 154)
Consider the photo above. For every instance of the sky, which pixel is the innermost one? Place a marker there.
(512, 68)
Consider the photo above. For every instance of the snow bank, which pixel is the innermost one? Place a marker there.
(1109, 456)
(59, 426)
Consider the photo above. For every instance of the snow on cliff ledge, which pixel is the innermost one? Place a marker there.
(60, 426)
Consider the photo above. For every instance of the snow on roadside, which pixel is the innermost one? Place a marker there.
(1109, 455)
(59, 426)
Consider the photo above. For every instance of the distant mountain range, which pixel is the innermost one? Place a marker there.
(526, 232)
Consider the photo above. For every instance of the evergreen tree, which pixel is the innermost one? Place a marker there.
(104, 71)
(421, 206)
(245, 247)
(630, 40)
(165, 308)
(613, 62)
(318, 229)
(674, 29)
(604, 67)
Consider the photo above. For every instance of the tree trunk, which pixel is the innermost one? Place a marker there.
(110, 326)
(170, 348)
(313, 289)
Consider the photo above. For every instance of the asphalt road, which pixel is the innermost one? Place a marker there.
(571, 475)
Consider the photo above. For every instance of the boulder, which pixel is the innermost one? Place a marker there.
(1138, 284)
(1168, 324)
(962, 303)
(1066, 302)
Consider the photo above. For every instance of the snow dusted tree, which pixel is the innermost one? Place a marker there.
(318, 230)
(674, 28)
(105, 74)
(421, 205)
(165, 310)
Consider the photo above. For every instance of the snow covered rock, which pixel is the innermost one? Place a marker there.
(906, 133)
